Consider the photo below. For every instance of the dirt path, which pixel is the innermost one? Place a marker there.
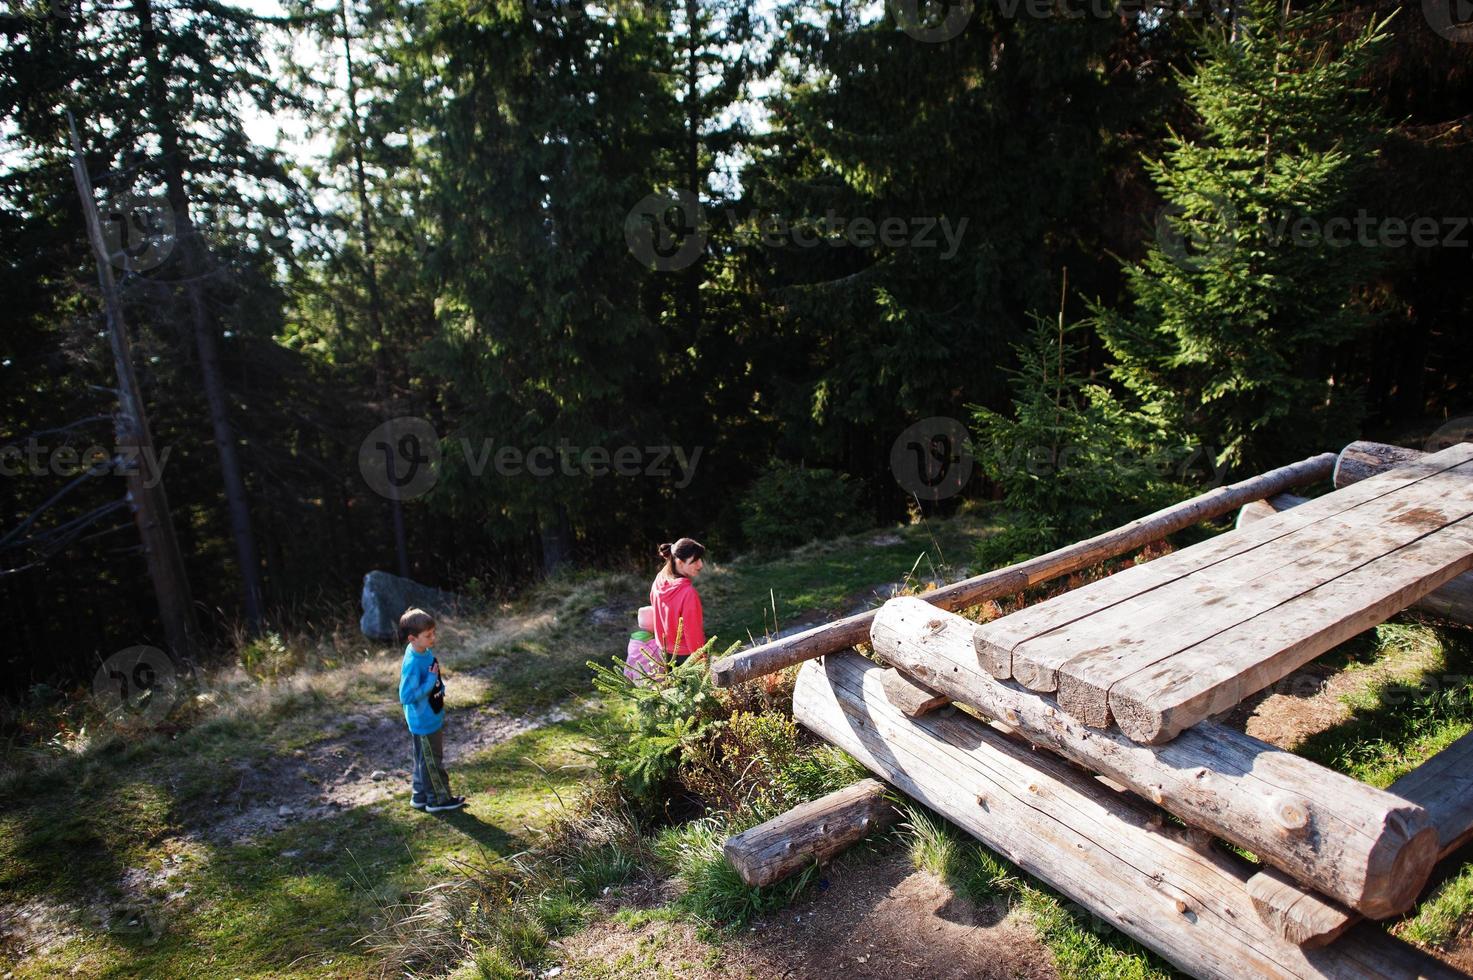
(365, 763)
(870, 917)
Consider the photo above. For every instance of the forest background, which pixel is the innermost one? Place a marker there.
(594, 276)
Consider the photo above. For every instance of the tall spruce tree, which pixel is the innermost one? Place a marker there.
(976, 153)
(1250, 284)
(553, 128)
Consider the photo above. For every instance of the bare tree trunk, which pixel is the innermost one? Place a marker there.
(370, 272)
(146, 498)
(194, 265)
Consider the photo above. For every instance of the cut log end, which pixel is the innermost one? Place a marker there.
(1411, 864)
(996, 659)
(1084, 702)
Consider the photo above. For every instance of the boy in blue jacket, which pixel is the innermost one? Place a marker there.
(422, 693)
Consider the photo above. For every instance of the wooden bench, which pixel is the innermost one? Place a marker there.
(1159, 647)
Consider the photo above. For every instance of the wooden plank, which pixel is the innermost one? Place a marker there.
(1157, 703)
(771, 657)
(1443, 786)
(1366, 847)
(1362, 460)
(996, 641)
(1452, 601)
(1134, 636)
(813, 831)
(1302, 916)
(911, 697)
(1092, 844)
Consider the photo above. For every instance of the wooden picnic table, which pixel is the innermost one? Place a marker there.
(1161, 646)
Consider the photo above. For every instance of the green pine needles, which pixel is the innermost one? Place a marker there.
(1250, 287)
(1072, 460)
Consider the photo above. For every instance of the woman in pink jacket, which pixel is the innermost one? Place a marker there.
(678, 624)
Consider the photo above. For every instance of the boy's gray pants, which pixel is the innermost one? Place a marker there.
(431, 782)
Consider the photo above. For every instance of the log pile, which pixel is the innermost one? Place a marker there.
(1102, 848)
(1082, 807)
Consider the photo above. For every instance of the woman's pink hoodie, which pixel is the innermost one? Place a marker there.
(677, 609)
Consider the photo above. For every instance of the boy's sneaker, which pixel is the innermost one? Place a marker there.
(418, 804)
(454, 803)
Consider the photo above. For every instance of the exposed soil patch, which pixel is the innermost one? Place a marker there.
(871, 916)
(365, 762)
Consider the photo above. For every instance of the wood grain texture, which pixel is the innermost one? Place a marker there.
(1094, 845)
(1443, 786)
(910, 696)
(1452, 601)
(1366, 847)
(1045, 627)
(1155, 704)
(1171, 620)
(813, 831)
(842, 633)
(1362, 460)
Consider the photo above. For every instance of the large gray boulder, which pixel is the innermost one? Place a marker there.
(386, 596)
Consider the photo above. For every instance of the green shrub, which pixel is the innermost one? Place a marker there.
(647, 725)
(268, 657)
(791, 505)
(1071, 460)
(715, 891)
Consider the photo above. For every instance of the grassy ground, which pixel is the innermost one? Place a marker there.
(105, 850)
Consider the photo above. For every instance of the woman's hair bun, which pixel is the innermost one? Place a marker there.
(665, 550)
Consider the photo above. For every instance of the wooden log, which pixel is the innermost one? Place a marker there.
(1092, 844)
(1453, 600)
(843, 633)
(1267, 507)
(813, 831)
(1036, 667)
(912, 698)
(1164, 635)
(1366, 847)
(1443, 786)
(1156, 704)
(1361, 460)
